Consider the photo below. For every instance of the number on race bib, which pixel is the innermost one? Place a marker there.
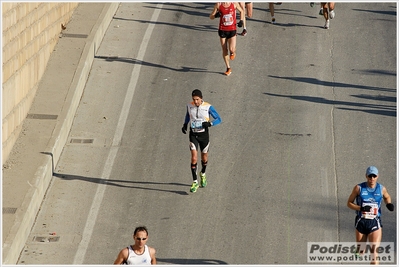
(373, 211)
(228, 20)
(196, 124)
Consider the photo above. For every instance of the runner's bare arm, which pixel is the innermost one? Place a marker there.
(122, 256)
(352, 197)
(242, 11)
(386, 196)
(152, 254)
(214, 11)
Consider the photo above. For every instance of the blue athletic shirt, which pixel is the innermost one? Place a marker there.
(197, 115)
(369, 197)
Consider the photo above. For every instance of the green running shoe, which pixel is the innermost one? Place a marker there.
(194, 187)
(203, 179)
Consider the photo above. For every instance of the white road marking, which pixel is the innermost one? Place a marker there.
(98, 197)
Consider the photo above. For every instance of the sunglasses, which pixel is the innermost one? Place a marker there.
(139, 239)
(372, 176)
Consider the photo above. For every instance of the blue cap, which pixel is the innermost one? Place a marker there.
(371, 170)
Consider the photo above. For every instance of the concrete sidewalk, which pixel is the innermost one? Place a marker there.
(28, 171)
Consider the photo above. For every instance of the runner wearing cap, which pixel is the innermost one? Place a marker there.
(368, 196)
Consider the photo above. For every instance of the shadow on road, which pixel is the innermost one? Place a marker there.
(179, 6)
(333, 84)
(373, 109)
(376, 72)
(123, 183)
(382, 12)
(190, 261)
(149, 64)
(204, 27)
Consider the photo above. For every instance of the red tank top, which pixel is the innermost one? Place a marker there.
(228, 21)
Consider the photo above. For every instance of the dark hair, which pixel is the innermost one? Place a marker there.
(140, 229)
(197, 92)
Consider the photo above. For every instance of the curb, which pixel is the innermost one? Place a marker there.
(20, 231)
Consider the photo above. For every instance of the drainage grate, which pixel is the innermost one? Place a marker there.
(9, 210)
(46, 239)
(42, 116)
(54, 239)
(75, 35)
(40, 239)
(81, 141)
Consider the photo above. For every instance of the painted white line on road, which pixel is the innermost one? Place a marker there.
(98, 197)
(335, 171)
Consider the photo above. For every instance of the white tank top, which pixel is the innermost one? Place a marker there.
(143, 259)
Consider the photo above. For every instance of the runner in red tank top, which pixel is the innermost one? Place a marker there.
(227, 29)
(228, 21)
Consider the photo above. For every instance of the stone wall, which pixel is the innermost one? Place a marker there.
(30, 33)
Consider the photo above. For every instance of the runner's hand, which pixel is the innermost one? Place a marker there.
(184, 128)
(365, 208)
(206, 124)
(390, 206)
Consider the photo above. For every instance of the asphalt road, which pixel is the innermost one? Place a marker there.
(305, 111)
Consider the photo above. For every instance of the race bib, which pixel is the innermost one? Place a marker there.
(196, 126)
(228, 20)
(372, 213)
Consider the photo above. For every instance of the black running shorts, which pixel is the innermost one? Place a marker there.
(201, 140)
(367, 226)
(227, 34)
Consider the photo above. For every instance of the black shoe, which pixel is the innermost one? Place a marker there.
(240, 23)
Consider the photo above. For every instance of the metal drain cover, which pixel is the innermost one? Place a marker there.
(82, 141)
(75, 35)
(46, 239)
(54, 239)
(42, 116)
(9, 210)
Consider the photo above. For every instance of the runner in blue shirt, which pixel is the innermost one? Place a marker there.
(369, 196)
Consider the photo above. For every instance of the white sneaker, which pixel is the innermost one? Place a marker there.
(332, 14)
(327, 25)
